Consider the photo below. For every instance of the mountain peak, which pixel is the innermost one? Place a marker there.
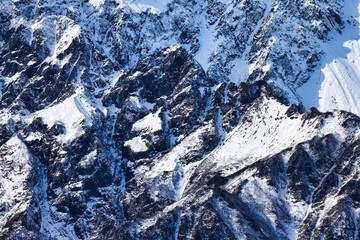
(179, 119)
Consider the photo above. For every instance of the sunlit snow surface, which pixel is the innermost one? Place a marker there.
(154, 6)
(73, 113)
(97, 3)
(336, 83)
(250, 141)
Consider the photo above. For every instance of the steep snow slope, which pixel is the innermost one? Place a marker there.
(264, 132)
(335, 83)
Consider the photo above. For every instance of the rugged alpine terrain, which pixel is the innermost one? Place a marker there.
(179, 119)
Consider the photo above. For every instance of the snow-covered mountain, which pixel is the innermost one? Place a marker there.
(174, 119)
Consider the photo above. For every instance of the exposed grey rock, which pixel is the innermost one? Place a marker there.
(121, 121)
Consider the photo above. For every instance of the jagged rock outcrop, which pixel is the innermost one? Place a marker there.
(173, 120)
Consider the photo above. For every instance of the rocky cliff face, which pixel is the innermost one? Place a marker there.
(176, 120)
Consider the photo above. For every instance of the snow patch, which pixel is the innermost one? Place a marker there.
(96, 3)
(169, 162)
(154, 6)
(13, 78)
(73, 112)
(208, 44)
(137, 144)
(149, 123)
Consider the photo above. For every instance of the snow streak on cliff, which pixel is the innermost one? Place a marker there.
(132, 119)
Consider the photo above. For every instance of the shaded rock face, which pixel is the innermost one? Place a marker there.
(167, 90)
(41, 64)
(160, 75)
(126, 121)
